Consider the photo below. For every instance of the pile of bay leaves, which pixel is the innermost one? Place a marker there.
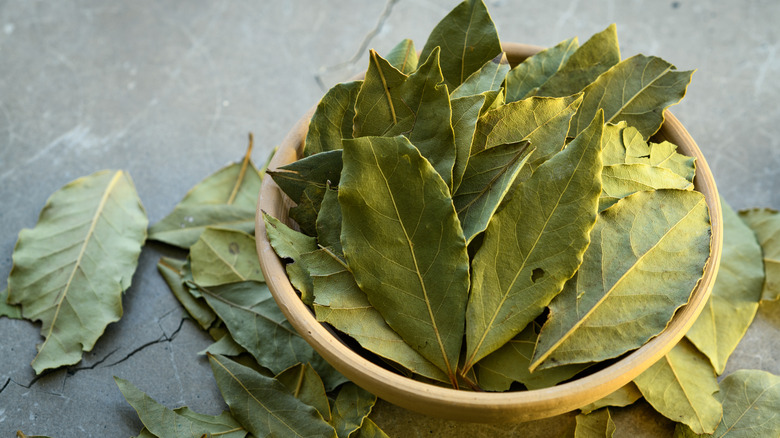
(463, 222)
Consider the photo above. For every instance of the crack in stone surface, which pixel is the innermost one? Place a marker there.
(380, 24)
(161, 339)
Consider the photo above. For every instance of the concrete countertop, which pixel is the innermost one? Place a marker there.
(169, 90)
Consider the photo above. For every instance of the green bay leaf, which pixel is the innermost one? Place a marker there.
(641, 235)
(750, 404)
(680, 386)
(526, 238)
(662, 154)
(319, 170)
(332, 120)
(329, 222)
(264, 406)
(488, 78)
(8, 310)
(290, 244)
(401, 237)
(590, 60)
(171, 271)
(637, 90)
(597, 424)
(467, 38)
(465, 114)
(621, 180)
(305, 384)
(70, 270)
(533, 72)
(403, 57)
(765, 223)
(180, 423)
(224, 256)
(487, 179)
(339, 301)
(256, 323)
(308, 209)
(350, 409)
(735, 295)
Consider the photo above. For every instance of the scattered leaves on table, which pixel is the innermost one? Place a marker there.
(766, 224)
(595, 424)
(351, 407)
(224, 256)
(751, 404)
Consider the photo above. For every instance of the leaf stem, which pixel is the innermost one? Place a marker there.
(242, 172)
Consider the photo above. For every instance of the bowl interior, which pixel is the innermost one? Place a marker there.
(481, 406)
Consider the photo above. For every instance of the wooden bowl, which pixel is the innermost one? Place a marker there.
(482, 407)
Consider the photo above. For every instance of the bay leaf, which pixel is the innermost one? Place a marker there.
(171, 269)
(403, 57)
(339, 301)
(750, 404)
(596, 424)
(624, 396)
(487, 179)
(417, 106)
(636, 90)
(182, 422)
(631, 242)
(256, 323)
(8, 310)
(614, 146)
(588, 61)
(765, 223)
(525, 236)
(318, 170)
(225, 346)
(308, 209)
(350, 409)
(465, 114)
(493, 100)
(264, 406)
(525, 78)
(70, 270)
(290, 244)
(467, 38)
(369, 429)
(329, 222)
(621, 180)
(508, 364)
(305, 384)
(680, 386)
(226, 198)
(735, 295)
(399, 221)
(489, 77)
(662, 154)
(332, 120)
(224, 256)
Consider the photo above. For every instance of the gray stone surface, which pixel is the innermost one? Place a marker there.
(168, 91)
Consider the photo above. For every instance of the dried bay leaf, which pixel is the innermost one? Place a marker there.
(183, 422)
(403, 57)
(369, 429)
(264, 406)
(417, 106)
(680, 386)
(305, 384)
(225, 346)
(510, 363)
(662, 154)
(533, 72)
(319, 170)
(401, 236)
(467, 38)
(750, 404)
(8, 310)
(488, 177)
(631, 242)
(765, 223)
(735, 295)
(69, 271)
(224, 256)
(350, 409)
(329, 222)
(636, 90)
(226, 198)
(590, 60)
(308, 209)
(256, 323)
(624, 396)
(339, 301)
(488, 78)
(465, 114)
(526, 236)
(621, 180)
(171, 271)
(290, 244)
(595, 424)
(332, 120)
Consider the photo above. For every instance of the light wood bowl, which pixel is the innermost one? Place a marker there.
(482, 407)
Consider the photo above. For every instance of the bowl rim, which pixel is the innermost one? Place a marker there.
(482, 407)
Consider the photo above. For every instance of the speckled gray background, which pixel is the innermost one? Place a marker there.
(168, 90)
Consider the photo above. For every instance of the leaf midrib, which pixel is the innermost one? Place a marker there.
(66, 288)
